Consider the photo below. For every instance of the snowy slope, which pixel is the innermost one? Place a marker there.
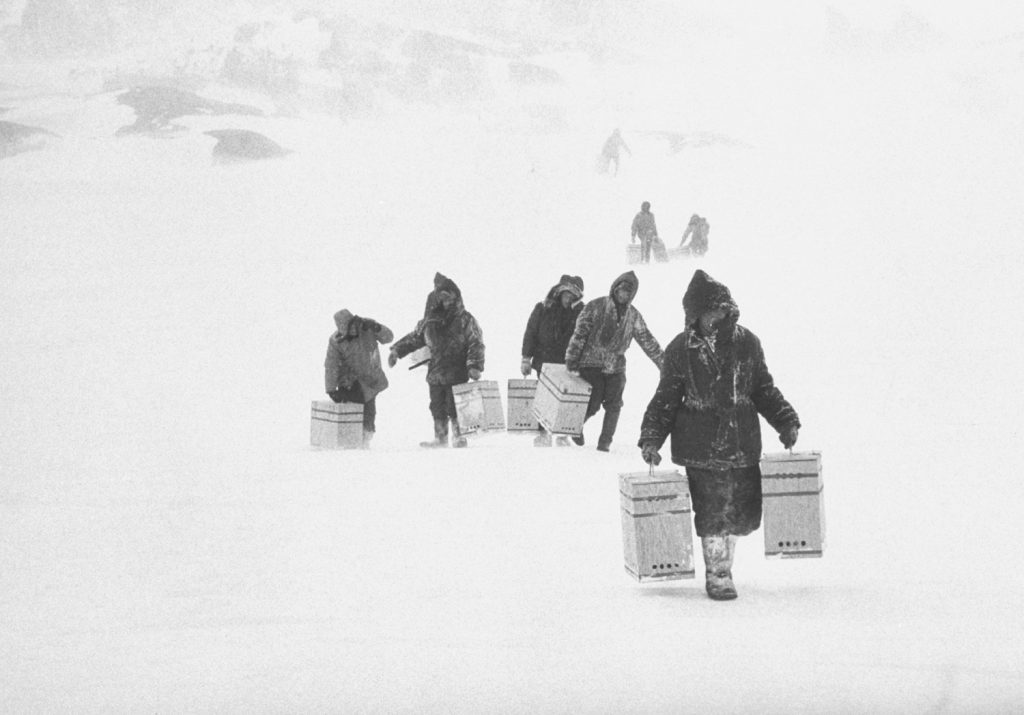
(170, 542)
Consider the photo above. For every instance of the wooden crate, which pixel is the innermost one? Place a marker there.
(657, 525)
(560, 403)
(520, 406)
(336, 425)
(633, 253)
(478, 406)
(793, 519)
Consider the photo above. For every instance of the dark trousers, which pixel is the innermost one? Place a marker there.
(442, 403)
(726, 501)
(645, 249)
(354, 394)
(607, 393)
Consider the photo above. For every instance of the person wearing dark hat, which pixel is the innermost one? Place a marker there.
(352, 371)
(456, 355)
(645, 229)
(548, 331)
(597, 351)
(714, 384)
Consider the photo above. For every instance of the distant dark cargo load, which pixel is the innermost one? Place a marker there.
(244, 145)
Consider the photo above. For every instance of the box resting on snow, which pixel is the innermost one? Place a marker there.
(657, 532)
(478, 406)
(560, 403)
(520, 406)
(336, 425)
(794, 514)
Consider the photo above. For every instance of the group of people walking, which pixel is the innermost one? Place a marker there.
(714, 383)
(645, 229)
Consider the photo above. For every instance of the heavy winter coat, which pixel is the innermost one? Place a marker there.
(355, 358)
(713, 388)
(604, 332)
(643, 226)
(454, 337)
(550, 326)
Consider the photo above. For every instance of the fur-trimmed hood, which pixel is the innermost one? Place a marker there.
(572, 284)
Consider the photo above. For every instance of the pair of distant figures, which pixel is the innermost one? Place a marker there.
(645, 229)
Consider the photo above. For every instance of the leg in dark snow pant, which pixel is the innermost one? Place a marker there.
(645, 250)
(607, 392)
(442, 402)
(354, 395)
(725, 502)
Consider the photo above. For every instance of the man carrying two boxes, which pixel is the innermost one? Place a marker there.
(713, 386)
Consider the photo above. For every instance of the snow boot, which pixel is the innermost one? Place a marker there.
(440, 435)
(578, 440)
(367, 438)
(542, 440)
(458, 440)
(718, 553)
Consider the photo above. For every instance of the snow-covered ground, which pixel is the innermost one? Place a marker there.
(169, 542)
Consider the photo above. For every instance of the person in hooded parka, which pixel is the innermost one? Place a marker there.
(456, 355)
(604, 331)
(714, 384)
(352, 369)
(548, 331)
(698, 229)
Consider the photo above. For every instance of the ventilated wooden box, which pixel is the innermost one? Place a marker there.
(336, 425)
(520, 406)
(560, 403)
(793, 519)
(657, 525)
(478, 406)
(633, 253)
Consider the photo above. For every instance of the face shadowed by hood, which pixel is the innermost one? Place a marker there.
(629, 278)
(705, 293)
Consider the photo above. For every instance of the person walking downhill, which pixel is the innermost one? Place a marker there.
(352, 370)
(714, 384)
(645, 229)
(456, 356)
(604, 331)
(610, 152)
(547, 334)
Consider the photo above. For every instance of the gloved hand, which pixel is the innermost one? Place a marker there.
(573, 368)
(788, 436)
(371, 325)
(392, 358)
(474, 374)
(525, 366)
(650, 453)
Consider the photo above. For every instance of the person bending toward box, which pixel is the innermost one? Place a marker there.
(352, 370)
(456, 355)
(547, 334)
(597, 351)
(714, 384)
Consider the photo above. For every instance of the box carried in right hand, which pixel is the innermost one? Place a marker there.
(633, 254)
(657, 536)
(560, 403)
(520, 406)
